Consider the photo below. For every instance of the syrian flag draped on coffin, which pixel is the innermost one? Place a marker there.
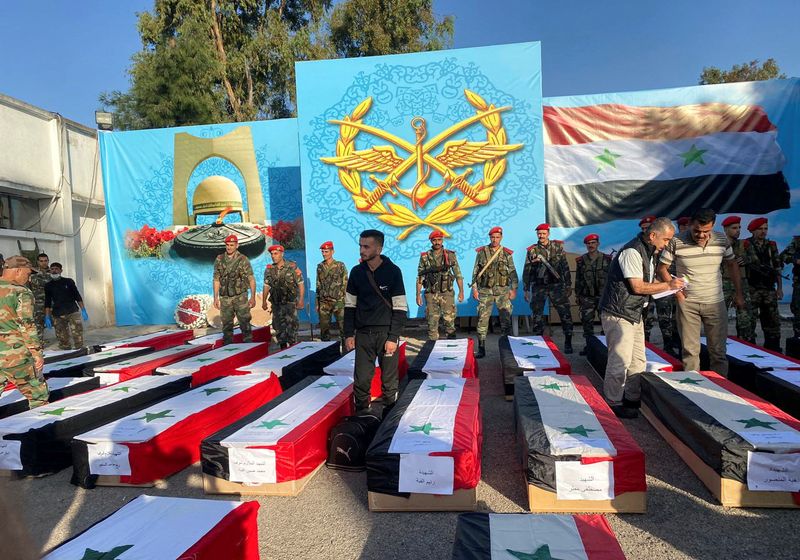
(521, 536)
(346, 365)
(82, 365)
(747, 362)
(165, 437)
(780, 387)
(162, 528)
(13, 402)
(284, 440)
(215, 363)
(430, 442)
(296, 362)
(572, 443)
(523, 354)
(53, 356)
(38, 441)
(156, 340)
(440, 359)
(146, 365)
(729, 428)
(655, 358)
(612, 161)
(260, 334)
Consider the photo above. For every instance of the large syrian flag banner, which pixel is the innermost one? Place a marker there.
(52, 356)
(159, 527)
(739, 435)
(446, 358)
(573, 446)
(655, 358)
(284, 440)
(83, 365)
(780, 387)
(346, 366)
(222, 360)
(156, 340)
(260, 334)
(506, 536)
(38, 441)
(13, 402)
(430, 443)
(296, 362)
(147, 364)
(165, 437)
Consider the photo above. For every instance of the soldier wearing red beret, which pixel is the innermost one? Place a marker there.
(766, 287)
(591, 270)
(644, 223)
(683, 223)
(233, 275)
(436, 271)
(745, 328)
(331, 286)
(284, 288)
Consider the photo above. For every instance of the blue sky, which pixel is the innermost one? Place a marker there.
(60, 55)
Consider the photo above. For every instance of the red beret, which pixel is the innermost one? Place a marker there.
(275, 248)
(436, 234)
(591, 237)
(756, 223)
(647, 220)
(231, 237)
(544, 226)
(684, 221)
(730, 220)
(496, 229)
(326, 245)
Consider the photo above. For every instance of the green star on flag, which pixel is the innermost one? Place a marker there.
(527, 344)
(326, 385)
(104, 354)
(534, 356)
(269, 424)
(306, 347)
(150, 416)
(693, 156)
(204, 359)
(451, 345)
(577, 430)
(285, 357)
(112, 554)
(689, 381)
(425, 429)
(441, 387)
(230, 349)
(67, 363)
(123, 363)
(607, 159)
(555, 386)
(755, 356)
(55, 411)
(446, 358)
(213, 390)
(756, 423)
(123, 389)
(541, 553)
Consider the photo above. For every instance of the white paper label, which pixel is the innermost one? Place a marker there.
(107, 378)
(10, 455)
(252, 465)
(776, 472)
(576, 481)
(424, 474)
(111, 459)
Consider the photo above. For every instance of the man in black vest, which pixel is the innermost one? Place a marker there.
(622, 308)
(375, 310)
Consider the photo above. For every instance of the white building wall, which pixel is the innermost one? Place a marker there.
(55, 161)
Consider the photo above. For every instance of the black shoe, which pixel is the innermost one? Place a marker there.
(481, 349)
(509, 391)
(624, 412)
(568, 344)
(627, 403)
(451, 336)
(582, 352)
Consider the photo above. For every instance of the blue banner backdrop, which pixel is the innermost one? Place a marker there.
(151, 180)
(448, 140)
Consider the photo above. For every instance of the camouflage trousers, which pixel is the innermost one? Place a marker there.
(558, 299)
(285, 322)
(440, 306)
(590, 308)
(664, 310)
(745, 326)
(239, 307)
(69, 327)
(795, 307)
(38, 317)
(487, 298)
(330, 309)
(765, 305)
(17, 367)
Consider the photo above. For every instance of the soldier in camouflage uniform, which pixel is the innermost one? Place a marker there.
(21, 358)
(494, 282)
(435, 273)
(233, 275)
(36, 285)
(745, 328)
(546, 275)
(331, 285)
(284, 288)
(591, 270)
(764, 271)
(791, 255)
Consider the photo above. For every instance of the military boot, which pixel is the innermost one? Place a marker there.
(773, 343)
(585, 346)
(451, 336)
(567, 344)
(481, 349)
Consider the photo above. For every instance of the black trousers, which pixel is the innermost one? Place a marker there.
(370, 345)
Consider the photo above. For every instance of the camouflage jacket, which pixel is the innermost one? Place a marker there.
(36, 284)
(737, 246)
(537, 274)
(17, 328)
(437, 272)
(233, 273)
(501, 273)
(590, 275)
(331, 281)
(791, 255)
(764, 263)
(283, 282)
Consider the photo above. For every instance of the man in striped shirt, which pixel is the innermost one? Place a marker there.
(698, 254)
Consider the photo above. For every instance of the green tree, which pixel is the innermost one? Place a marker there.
(211, 61)
(747, 72)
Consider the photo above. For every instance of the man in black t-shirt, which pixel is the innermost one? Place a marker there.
(375, 310)
(63, 302)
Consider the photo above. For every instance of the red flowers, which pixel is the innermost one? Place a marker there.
(147, 241)
(288, 234)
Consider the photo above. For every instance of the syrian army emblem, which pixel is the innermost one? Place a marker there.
(386, 168)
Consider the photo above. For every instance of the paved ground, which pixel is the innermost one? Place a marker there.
(330, 518)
